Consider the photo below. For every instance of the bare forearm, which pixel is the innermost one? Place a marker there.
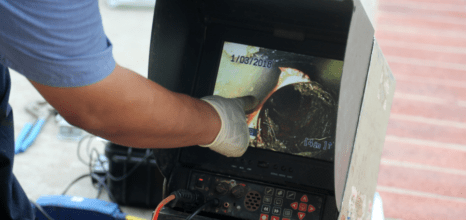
(130, 110)
(173, 120)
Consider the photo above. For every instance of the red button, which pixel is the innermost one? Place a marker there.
(302, 207)
(304, 199)
(275, 218)
(264, 217)
(301, 215)
(294, 205)
(311, 208)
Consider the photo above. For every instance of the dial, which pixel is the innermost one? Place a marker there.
(238, 191)
(222, 188)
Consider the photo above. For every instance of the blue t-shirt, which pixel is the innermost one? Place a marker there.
(58, 43)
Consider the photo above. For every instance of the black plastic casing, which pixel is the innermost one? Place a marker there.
(142, 188)
(187, 40)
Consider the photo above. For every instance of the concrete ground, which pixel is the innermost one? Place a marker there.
(422, 173)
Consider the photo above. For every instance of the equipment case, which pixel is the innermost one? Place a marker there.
(142, 185)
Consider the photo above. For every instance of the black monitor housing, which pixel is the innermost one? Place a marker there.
(188, 41)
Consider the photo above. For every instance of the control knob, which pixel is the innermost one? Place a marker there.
(238, 191)
(222, 188)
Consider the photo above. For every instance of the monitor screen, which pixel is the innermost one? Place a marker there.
(297, 94)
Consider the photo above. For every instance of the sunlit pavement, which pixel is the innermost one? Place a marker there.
(423, 169)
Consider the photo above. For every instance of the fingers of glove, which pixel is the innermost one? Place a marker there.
(249, 103)
(234, 142)
(224, 103)
(233, 137)
(231, 115)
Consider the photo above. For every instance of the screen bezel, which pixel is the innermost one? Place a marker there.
(216, 36)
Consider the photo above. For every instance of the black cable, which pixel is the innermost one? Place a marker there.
(75, 181)
(91, 163)
(91, 158)
(41, 210)
(79, 147)
(89, 142)
(210, 202)
(101, 183)
(99, 179)
(99, 191)
(110, 176)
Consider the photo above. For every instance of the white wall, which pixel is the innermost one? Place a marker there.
(371, 9)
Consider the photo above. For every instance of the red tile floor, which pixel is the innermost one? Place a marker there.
(423, 169)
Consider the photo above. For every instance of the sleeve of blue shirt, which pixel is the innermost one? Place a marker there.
(59, 43)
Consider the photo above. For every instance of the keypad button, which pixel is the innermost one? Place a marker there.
(267, 200)
(280, 193)
(264, 217)
(268, 191)
(311, 208)
(301, 215)
(278, 202)
(283, 168)
(304, 198)
(276, 211)
(294, 205)
(263, 164)
(275, 218)
(265, 209)
(287, 213)
(302, 207)
(291, 195)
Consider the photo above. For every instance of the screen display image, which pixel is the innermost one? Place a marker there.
(298, 96)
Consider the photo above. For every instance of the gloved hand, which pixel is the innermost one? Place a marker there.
(233, 138)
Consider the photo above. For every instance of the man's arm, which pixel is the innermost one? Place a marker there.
(131, 110)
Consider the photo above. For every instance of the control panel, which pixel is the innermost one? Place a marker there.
(255, 201)
(271, 167)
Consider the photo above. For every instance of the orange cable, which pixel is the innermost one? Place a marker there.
(161, 204)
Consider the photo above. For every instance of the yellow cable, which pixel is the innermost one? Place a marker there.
(129, 217)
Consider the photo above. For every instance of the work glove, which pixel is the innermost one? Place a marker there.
(233, 138)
